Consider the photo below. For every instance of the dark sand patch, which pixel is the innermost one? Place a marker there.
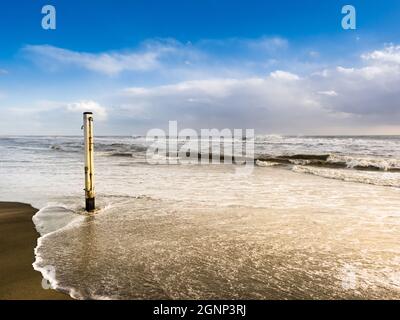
(18, 236)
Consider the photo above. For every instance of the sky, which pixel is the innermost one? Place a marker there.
(279, 67)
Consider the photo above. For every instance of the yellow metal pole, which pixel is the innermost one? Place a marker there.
(89, 160)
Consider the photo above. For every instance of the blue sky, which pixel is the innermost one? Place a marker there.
(276, 66)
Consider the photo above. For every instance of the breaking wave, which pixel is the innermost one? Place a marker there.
(336, 161)
(379, 179)
(367, 170)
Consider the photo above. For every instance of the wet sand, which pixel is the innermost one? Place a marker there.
(18, 279)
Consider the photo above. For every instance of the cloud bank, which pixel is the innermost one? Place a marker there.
(338, 100)
(238, 83)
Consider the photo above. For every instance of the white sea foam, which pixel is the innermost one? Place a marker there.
(54, 217)
(299, 161)
(49, 220)
(379, 179)
(261, 163)
(365, 162)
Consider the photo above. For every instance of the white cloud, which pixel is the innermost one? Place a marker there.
(345, 70)
(106, 63)
(44, 107)
(330, 93)
(208, 87)
(390, 54)
(88, 105)
(321, 73)
(267, 44)
(262, 103)
(284, 75)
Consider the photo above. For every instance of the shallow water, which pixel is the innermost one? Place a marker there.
(166, 231)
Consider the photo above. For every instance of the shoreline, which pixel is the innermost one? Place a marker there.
(18, 238)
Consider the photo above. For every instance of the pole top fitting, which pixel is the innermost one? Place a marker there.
(88, 113)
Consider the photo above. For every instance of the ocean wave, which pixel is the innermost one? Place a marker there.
(54, 217)
(333, 161)
(261, 163)
(121, 154)
(268, 137)
(382, 179)
(113, 148)
(365, 163)
(48, 220)
(67, 147)
(367, 170)
(336, 161)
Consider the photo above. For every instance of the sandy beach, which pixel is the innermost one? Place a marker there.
(18, 279)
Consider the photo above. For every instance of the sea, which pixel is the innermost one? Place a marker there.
(315, 217)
